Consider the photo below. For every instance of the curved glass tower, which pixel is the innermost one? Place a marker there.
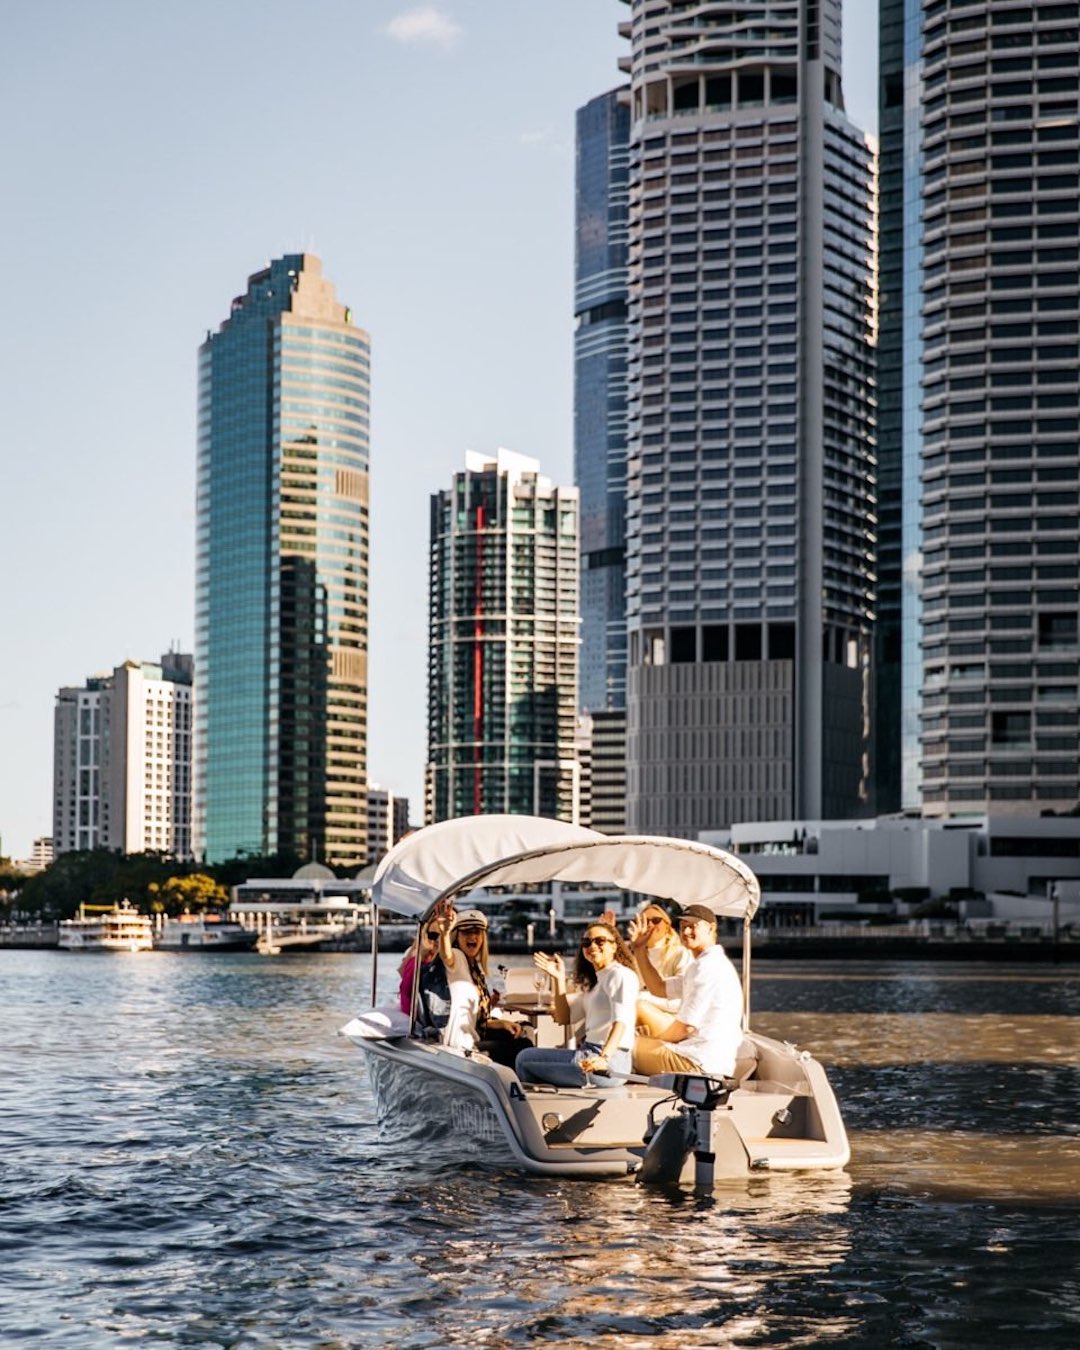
(751, 527)
(282, 574)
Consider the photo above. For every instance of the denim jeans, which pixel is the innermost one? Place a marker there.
(560, 1067)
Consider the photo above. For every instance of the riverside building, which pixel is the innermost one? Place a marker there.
(503, 643)
(984, 427)
(601, 345)
(282, 573)
(122, 760)
(751, 473)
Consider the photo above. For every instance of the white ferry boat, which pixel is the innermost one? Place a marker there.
(107, 928)
(204, 933)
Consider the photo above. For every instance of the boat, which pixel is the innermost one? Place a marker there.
(204, 933)
(674, 1128)
(107, 928)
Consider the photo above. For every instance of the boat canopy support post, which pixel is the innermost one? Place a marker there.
(414, 993)
(746, 974)
(374, 953)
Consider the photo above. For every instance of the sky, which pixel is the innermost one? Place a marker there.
(154, 156)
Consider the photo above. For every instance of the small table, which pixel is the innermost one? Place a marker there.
(538, 1014)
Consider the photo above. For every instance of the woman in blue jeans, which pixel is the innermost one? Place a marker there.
(609, 985)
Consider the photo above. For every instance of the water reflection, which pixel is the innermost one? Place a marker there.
(188, 1155)
(619, 1265)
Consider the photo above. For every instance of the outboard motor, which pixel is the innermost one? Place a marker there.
(699, 1128)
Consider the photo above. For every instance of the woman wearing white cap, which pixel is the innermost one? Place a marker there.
(473, 1023)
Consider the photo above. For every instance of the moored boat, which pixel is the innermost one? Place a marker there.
(106, 928)
(204, 933)
(782, 1116)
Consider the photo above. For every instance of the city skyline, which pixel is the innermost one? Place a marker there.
(141, 205)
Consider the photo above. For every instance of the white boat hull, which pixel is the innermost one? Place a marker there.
(476, 1111)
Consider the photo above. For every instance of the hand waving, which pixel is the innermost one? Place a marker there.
(551, 965)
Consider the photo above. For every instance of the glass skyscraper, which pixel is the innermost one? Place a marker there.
(994, 436)
(600, 354)
(751, 527)
(503, 643)
(282, 574)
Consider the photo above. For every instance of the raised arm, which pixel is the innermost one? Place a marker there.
(637, 940)
(555, 967)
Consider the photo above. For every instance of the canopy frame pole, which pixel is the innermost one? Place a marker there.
(374, 952)
(746, 973)
(414, 993)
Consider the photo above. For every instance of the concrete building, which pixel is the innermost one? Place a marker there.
(387, 820)
(282, 573)
(41, 855)
(994, 867)
(503, 643)
(122, 760)
(980, 150)
(750, 486)
(607, 771)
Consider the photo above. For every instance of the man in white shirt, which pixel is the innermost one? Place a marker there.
(705, 1035)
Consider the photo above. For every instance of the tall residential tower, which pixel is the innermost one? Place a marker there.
(751, 469)
(282, 574)
(990, 171)
(122, 760)
(503, 643)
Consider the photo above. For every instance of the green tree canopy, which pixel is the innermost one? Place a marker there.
(194, 892)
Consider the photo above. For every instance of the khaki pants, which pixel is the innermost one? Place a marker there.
(652, 1055)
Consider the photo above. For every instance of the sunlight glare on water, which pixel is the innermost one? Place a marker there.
(189, 1157)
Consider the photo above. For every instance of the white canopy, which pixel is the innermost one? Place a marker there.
(453, 857)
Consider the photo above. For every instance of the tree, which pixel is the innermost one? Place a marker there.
(195, 892)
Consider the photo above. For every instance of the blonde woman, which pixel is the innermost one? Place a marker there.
(463, 947)
(652, 938)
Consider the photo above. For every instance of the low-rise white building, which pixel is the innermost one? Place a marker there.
(999, 867)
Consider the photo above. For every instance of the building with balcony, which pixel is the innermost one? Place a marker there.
(990, 169)
(504, 631)
(122, 760)
(750, 520)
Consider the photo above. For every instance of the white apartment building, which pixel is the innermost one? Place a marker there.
(387, 820)
(122, 760)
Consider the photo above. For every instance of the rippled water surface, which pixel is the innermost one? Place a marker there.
(188, 1157)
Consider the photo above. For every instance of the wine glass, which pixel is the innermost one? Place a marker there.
(540, 985)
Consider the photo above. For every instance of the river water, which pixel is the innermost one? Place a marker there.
(189, 1157)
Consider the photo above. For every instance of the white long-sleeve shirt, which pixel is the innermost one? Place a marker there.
(710, 1001)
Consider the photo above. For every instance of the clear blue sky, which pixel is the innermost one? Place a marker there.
(156, 154)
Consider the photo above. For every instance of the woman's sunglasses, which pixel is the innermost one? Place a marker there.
(594, 942)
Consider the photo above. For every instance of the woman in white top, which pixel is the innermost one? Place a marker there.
(652, 937)
(609, 987)
(473, 1021)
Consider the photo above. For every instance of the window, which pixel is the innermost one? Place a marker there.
(1010, 729)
